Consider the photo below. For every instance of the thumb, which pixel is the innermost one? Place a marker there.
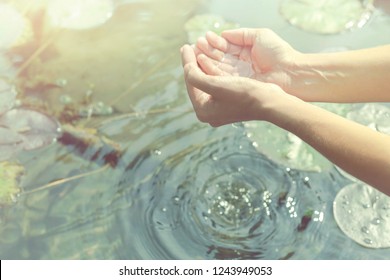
(241, 36)
(212, 85)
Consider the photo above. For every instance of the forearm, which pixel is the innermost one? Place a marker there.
(357, 149)
(352, 76)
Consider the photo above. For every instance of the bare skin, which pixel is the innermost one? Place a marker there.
(280, 81)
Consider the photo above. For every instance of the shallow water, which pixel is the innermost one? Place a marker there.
(180, 189)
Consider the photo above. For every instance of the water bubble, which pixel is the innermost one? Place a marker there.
(368, 241)
(157, 152)
(61, 82)
(365, 230)
(65, 99)
(306, 179)
(376, 221)
(366, 205)
(163, 209)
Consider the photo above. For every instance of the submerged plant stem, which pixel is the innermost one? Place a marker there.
(59, 182)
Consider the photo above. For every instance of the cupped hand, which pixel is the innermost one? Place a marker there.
(220, 100)
(255, 53)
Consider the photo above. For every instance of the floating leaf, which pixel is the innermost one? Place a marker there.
(7, 70)
(326, 16)
(373, 115)
(14, 28)
(363, 214)
(27, 128)
(198, 25)
(305, 220)
(9, 176)
(285, 148)
(11, 143)
(76, 14)
(7, 96)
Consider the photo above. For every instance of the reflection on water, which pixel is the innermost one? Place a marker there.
(180, 189)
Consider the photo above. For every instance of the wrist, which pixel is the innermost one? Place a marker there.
(313, 77)
(278, 106)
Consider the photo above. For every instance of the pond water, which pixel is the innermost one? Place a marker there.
(150, 181)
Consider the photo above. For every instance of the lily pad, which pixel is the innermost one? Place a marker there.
(373, 115)
(26, 129)
(14, 28)
(76, 14)
(198, 25)
(7, 96)
(285, 148)
(7, 70)
(9, 177)
(326, 16)
(363, 214)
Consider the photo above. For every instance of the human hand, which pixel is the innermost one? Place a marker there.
(220, 100)
(255, 53)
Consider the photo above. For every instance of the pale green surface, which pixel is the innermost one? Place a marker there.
(363, 214)
(9, 182)
(198, 25)
(325, 16)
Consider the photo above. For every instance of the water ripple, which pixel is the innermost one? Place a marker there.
(220, 199)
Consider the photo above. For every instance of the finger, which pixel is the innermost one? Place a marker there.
(189, 62)
(187, 55)
(214, 67)
(215, 86)
(222, 44)
(241, 36)
(204, 46)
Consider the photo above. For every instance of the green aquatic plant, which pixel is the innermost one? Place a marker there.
(285, 148)
(9, 180)
(326, 17)
(198, 25)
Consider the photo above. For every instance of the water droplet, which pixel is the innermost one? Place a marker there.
(365, 230)
(346, 202)
(306, 179)
(164, 209)
(376, 221)
(368, 241)
(157, 152)
(254, 144)
(367, 205)
(65, 99)
(61, 82)
(240, 169)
